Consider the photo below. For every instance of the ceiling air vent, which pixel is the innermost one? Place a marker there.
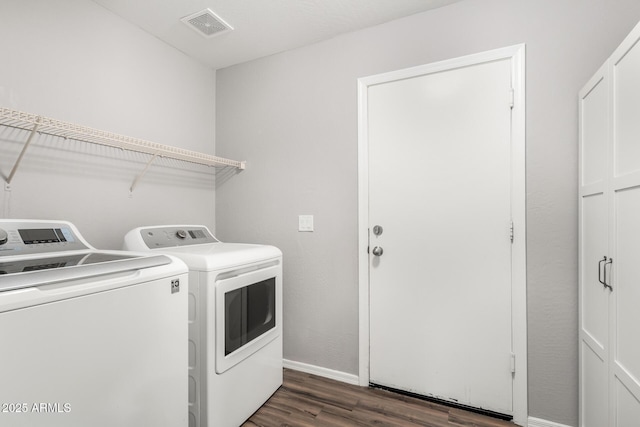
(206, 23)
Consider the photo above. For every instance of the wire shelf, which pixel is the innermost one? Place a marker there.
(49, 126)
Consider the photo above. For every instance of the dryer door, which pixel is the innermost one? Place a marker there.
(248, 314)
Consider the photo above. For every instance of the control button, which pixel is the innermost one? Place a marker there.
(181, 234)
(4, 238)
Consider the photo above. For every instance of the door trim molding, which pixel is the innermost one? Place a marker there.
(519, 269)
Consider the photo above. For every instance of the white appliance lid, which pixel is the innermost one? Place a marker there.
(215, 256)
(22, 272)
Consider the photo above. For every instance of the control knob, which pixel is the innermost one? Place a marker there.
(4, 237)
(181, 234)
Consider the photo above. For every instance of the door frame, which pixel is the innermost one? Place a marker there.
(516, 54)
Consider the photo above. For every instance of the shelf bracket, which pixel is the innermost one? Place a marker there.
(24, 149)
(141, 174)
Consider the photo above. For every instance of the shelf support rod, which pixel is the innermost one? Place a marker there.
(141, 174)
(24, 149)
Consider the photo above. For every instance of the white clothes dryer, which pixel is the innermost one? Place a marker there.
(235, 320)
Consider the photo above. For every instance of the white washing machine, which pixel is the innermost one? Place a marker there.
(89, 337)
(235, 320)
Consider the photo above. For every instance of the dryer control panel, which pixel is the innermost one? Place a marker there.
(168, 236)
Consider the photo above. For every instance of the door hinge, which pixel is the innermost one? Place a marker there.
(513, 363)
(511, 231)
(512, 97)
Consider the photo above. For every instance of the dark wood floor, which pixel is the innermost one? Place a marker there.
(309, 400)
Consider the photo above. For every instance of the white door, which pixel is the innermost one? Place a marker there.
(440, 189)
(594, 246)
(610, 241)
(625, 240)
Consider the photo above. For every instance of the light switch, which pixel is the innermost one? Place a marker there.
(305, 223)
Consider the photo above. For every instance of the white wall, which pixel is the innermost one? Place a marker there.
(75, 61)
(293, 116)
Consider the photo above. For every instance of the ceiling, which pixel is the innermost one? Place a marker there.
(260, 27)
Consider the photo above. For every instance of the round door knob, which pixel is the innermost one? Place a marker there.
(181, 234)
(377, 251)
(4, 238)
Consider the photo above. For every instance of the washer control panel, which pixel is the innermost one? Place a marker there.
(170, 236)
(23, 237)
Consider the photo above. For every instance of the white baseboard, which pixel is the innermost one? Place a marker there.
(537, 422)
(322, 372)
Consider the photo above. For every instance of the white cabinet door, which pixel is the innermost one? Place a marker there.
(594, 245)
(625, 322)
(610, 227)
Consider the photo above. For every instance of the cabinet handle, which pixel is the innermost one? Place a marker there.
(600, 269)
(603, 281)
